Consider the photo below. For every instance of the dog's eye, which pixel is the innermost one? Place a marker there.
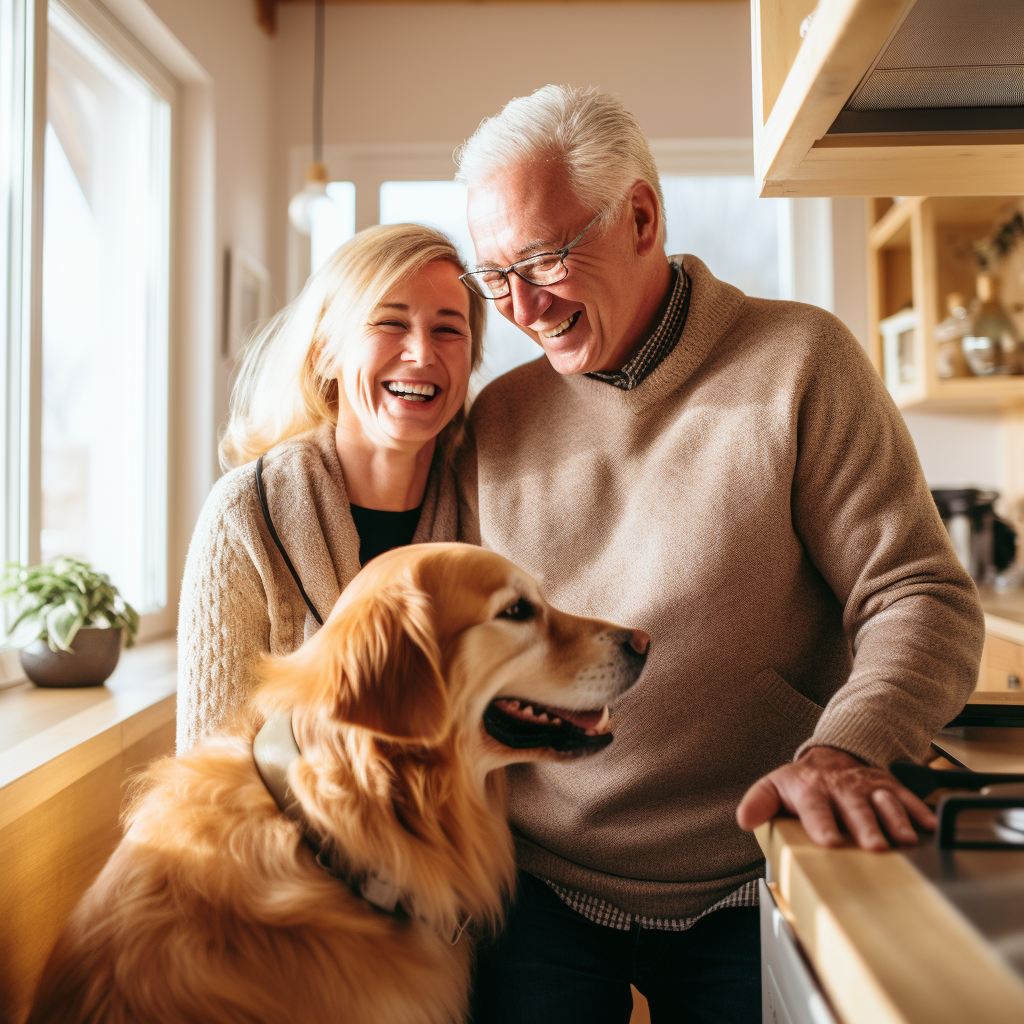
(519, 612)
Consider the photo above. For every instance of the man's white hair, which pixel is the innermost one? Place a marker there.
(602, 145)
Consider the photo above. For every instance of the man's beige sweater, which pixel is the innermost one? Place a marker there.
(757, 506)
(238, 600)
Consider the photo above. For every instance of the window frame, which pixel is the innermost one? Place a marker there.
(21, 281)
(805, 247)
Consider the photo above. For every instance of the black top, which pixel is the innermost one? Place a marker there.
(381, 531)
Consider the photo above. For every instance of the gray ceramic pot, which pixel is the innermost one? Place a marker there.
(93, 656)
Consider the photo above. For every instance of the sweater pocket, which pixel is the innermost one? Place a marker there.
(784, 700)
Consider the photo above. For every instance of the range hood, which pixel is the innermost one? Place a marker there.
(889, 97)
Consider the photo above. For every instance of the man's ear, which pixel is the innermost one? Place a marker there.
(387, 665)
(646, 216)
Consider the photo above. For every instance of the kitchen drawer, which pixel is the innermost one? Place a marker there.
(789, 991)
(1002, 665)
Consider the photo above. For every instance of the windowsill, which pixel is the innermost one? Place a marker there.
(51, 737)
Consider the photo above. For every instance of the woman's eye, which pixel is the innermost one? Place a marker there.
(521, 611)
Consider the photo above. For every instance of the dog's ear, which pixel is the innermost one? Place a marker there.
(387, 665)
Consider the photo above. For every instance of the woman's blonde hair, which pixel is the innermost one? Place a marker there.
(287, 385)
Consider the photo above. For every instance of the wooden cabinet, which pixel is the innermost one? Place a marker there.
(807, 144)
(919, 251)
(1002, 665)
(790, 992)
(1002, 661)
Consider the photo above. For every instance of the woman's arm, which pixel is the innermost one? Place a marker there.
(224, 618)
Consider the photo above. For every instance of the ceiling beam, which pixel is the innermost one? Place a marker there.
(266, 10)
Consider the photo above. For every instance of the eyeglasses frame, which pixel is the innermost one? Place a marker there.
(511, 269)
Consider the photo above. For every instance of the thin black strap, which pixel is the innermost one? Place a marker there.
(277, 540)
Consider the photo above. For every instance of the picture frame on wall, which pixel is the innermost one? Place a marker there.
(247, 299)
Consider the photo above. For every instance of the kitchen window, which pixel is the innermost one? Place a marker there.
(86, 116)
(770, 248)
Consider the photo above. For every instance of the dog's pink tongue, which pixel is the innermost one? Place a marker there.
(590, 720)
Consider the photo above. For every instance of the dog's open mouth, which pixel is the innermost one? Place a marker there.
(524, 725)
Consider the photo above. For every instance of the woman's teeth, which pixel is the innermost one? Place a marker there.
(568, 322)
(411, 392)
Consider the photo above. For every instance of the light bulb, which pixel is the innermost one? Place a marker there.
(315, 188)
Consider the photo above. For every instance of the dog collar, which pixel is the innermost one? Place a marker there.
(274, 750)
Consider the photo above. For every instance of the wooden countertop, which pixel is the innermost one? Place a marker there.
(51, 737)
(887, 948)
(1004, 613)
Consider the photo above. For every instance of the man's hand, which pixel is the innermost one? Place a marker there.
(825, 783)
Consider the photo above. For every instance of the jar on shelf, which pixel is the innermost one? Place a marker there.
(949, 335)
(898, 330)
(993, 345)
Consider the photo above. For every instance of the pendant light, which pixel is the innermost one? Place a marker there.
(316, 176)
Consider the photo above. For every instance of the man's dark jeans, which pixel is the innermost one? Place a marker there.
(553, 966)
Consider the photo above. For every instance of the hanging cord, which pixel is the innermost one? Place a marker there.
(318, 82)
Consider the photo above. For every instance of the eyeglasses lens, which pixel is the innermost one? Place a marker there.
(491, 284)
(542, 270)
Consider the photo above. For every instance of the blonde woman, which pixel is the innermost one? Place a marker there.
(343, 421)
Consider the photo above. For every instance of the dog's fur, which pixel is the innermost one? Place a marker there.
(213, 907)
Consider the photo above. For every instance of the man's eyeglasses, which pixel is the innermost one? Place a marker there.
(544, 268)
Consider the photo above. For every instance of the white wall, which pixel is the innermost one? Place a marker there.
(222, 61)
(415, 74)
(411, 73)
(236, 56)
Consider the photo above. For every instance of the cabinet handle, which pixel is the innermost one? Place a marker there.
(1013, 682)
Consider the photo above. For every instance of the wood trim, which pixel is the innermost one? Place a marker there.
(993, 697)
(50, 856)
(880, 233)
(779, 39)
(843, 40)
(949, 169)
(944, 139)
(61, 794)
(139, 698)
(266, 16)
(266, 10)
(887, 948)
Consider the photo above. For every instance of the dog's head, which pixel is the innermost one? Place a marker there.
(445, 641)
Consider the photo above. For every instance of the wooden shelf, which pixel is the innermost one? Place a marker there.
(919, 251)
(800, 87)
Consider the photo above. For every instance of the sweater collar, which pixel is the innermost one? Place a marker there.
(661, 342)
(309, 506)
(713, 307)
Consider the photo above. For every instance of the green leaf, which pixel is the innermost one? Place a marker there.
(55, 599)
(62, 624)
(26, 633)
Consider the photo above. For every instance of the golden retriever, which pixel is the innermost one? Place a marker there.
(439, 665)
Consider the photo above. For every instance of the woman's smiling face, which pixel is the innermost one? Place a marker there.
(404, 379)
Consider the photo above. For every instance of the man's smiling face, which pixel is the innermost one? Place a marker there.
(591, 320)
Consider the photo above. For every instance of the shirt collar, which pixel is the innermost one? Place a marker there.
(661, 341)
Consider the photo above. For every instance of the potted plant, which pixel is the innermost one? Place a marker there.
(69, 621)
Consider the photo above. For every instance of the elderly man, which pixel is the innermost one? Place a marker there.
(729, 475)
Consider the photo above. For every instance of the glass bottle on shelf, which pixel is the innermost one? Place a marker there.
(993, 345)
(949, 353)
